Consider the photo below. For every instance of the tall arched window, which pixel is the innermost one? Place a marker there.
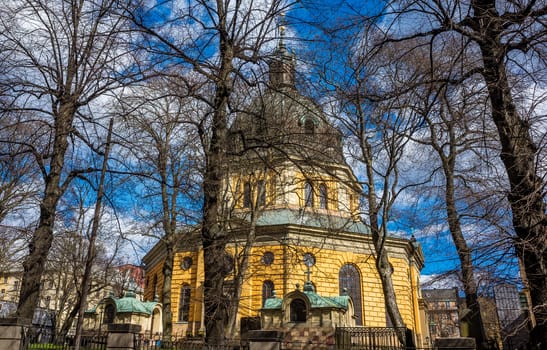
(298, 311)
(323, 197)
(261, 188)
(308, 194)
(267, 290)
(247, 195)
(155, 287)
(184, 303)
(350, 283)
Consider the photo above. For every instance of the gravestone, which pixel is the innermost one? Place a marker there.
(265, 340)
(455, 344)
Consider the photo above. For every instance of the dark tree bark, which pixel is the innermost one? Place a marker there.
(519, 151)
(33, 267)
(213, 235)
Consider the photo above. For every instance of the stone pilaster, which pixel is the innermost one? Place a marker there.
(14, 333)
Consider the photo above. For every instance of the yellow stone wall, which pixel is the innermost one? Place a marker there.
(151, 272)
(324, 276)
(286, 189)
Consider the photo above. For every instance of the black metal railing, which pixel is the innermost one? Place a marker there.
(94, 341)
(158, 342)
(370, 338)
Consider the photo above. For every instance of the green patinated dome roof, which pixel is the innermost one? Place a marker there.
(130, 304)
(297, 217)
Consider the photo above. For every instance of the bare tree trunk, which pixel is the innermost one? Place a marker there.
(519, 151)
(65, 327)
(39, 246)
(167, 270)
(476, 329)
(213, 233)
(90, 256)
(378, 232)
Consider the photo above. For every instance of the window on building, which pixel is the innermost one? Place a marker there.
(16, 286)
(229, 263)
(323, 196)
(109, 313)
(308, 194)
(247, 195)
(267, 258)
(298, 311)
(267, 290)
(309, 126)
(350, 282)
(5, 279)
(261, 188)
(155, 287)
(184, 303)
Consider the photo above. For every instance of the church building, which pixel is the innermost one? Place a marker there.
(293, 217)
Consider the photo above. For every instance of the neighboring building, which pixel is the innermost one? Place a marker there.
(10, 282)
(513, 316)
(287, 164)
(443, 311)
(58, 294)
(126, 278)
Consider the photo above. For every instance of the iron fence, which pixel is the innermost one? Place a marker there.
(180, 343)
(95, 341)
(370, 338)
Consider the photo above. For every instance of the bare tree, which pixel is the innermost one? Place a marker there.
(502, 50)
(235, 32)
(377, 142)
(61, 57)
(160, 137)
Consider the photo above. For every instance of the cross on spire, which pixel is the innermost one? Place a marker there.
(308, 273)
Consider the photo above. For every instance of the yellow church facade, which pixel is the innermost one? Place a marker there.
(292, 209)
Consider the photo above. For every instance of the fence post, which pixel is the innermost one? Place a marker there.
(14, 333)
(122, 336)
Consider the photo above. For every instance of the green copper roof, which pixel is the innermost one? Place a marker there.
(272, 303)
(311, 219)
(316, 301)
(129, 304)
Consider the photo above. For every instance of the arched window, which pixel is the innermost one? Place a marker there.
(109, 314)
(267, 290)
(184, 303)
(323, 197)
(229, 264)
(308, 194)
(155, 287)
(309, 126)
(298, 311)
(261, 188)
(350, 283)
(247, 195)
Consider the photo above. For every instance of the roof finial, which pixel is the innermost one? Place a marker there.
(282, 65)
(282, 24)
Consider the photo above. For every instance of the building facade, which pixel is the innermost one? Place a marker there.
(443, 312)
(292, 213)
